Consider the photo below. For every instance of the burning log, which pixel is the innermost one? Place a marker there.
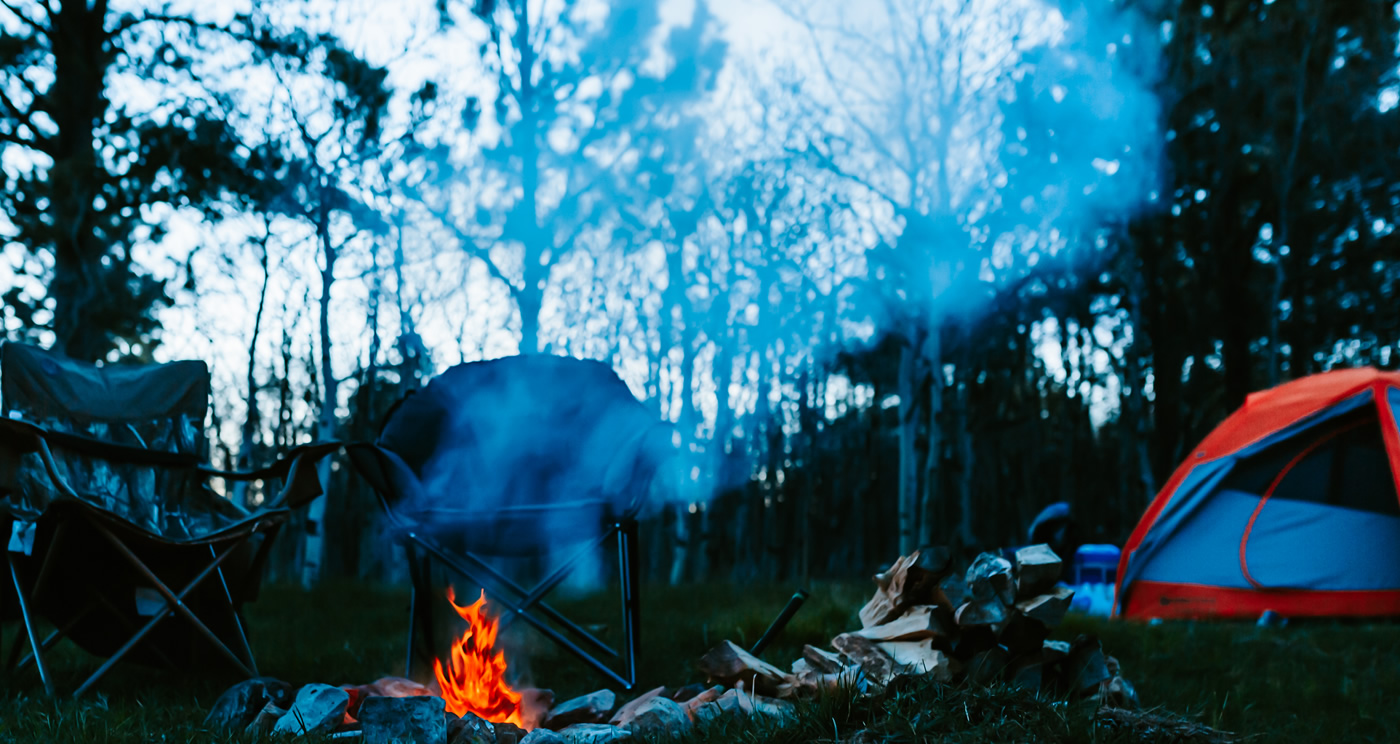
(876, 664)
(1037, 570)
(730, 665)
(917, 624)
(393, 687)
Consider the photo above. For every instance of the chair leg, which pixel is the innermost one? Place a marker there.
(518, 608)
(29, 626)
(174, 602)
(631, 598)
(54, 637)
(13, 657)
(456, 563)
(412, 625)
(244, 646)
(420, 622)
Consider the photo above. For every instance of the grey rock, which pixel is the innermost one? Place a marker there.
(594, 707)
(594, 733)
(738, 704)
(470, 729)
(660, 717)
(418, 719)
(542, 736)
(508, 733)
(317, 710)
(240, 704)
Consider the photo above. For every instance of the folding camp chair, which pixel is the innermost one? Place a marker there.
(111, 521)
(518, 457)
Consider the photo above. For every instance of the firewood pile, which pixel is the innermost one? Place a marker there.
(988, 624)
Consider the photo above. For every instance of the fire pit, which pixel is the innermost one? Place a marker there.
(469, 699)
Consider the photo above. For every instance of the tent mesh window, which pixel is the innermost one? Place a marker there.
(1342, 463)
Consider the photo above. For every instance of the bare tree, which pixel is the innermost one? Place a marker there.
(904, 111)
(569, 94)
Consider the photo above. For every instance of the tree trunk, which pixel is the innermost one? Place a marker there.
(908, 447)
(538, 242)
(967, 463)
(252, 418)
(325, 427)
(76, 102)
(929, 512)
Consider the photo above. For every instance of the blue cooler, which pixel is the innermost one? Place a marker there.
(1095, 564)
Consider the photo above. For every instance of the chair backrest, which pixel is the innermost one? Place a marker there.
(151, 406)
(154, 407)
(525, 431)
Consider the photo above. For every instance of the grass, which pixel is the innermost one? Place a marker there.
(1321, 682)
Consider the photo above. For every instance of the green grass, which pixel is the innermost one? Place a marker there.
(1304, 683)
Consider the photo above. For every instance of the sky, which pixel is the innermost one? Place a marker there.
(213, 322)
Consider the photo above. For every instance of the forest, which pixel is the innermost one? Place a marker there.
(900, 273)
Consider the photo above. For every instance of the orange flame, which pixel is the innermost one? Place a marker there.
(474, 681)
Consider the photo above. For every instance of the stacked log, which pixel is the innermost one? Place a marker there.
(990, 623)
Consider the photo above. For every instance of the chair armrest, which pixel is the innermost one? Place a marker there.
(20, 436)
(279, 469)
(26, 437)
(301, 483)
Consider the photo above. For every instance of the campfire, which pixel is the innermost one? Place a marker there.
(474, 678)
(927, 618)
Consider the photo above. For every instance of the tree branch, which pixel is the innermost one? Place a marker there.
(130, 22)
(30, 22)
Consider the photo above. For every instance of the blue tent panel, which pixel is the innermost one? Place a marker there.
(1293, 545)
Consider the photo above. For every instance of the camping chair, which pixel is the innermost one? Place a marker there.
(111, 521)
(527, 456)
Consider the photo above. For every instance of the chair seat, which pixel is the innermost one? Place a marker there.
(518, 531)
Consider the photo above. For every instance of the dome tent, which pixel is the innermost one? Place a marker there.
(1289, 505)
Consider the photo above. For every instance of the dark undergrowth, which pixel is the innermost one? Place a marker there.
(1322, 682)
